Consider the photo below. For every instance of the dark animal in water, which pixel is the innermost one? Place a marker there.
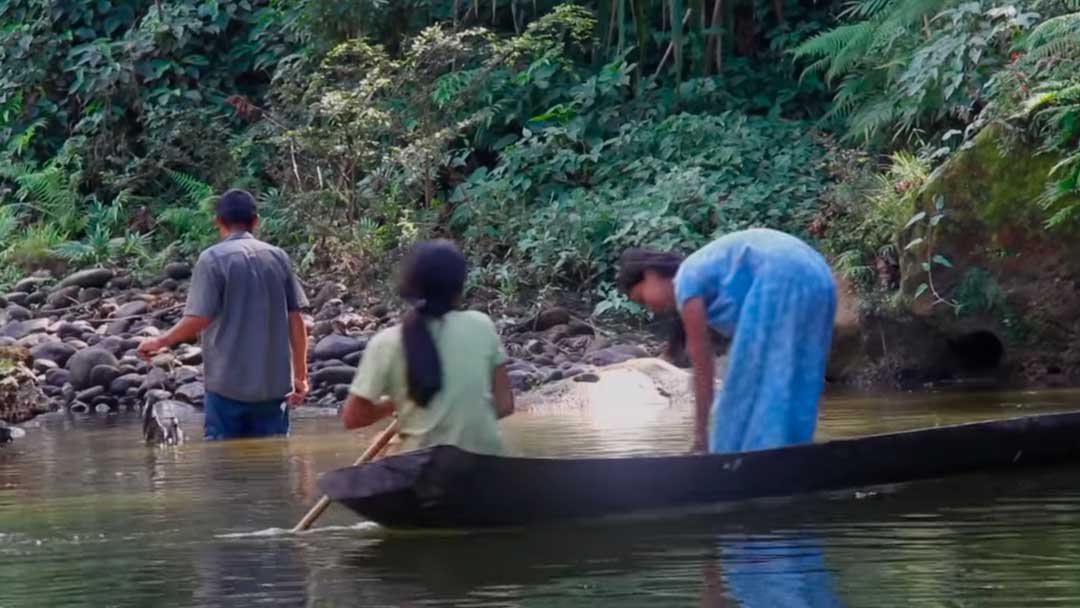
(161, 424)
(7, 433)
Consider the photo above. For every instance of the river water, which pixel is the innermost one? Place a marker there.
(91, 517)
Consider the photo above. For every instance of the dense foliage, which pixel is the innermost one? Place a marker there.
(934, 72)
(545, 136)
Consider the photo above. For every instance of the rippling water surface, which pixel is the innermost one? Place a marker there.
(91, 517)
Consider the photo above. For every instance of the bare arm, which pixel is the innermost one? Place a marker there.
(186, 330)
(359, 412)
(503, 392)
(699, 344)
(298, 346)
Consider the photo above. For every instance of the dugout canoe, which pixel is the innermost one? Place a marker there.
(445, 487)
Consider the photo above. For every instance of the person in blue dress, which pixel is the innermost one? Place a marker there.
(775, 297)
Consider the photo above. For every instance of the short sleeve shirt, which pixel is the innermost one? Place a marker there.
(462, 413)
(247, 288)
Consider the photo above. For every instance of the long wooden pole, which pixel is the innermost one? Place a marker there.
(376, 447)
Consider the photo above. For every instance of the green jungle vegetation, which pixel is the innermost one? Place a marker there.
(543, 136)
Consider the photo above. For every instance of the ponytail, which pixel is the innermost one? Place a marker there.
(433, 276)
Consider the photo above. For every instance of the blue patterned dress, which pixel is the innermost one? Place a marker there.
(775, 296)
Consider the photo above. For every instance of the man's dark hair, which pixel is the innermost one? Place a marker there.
(236, 208)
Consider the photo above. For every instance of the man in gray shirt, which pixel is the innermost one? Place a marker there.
(245, 301)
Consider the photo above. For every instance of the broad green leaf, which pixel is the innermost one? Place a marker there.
(158, 67)
(914, 243)
(942, 260)
(915, 219)
(921, 289)
(504, 141)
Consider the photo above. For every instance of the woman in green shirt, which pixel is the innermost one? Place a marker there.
(441, 369)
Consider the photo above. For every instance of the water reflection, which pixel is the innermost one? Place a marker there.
(770, 573)
(245, 572)
(90, 516)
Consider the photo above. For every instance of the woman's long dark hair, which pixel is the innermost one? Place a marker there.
(632, 268)
(432, 278)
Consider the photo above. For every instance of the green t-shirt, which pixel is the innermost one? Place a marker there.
(462, 414)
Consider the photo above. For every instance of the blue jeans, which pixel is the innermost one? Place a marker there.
(230, 419)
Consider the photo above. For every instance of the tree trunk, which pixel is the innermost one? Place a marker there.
(716, 39)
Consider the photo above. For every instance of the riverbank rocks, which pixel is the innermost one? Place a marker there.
(189, 355)
(157, 379)
(337, 347)
(103, 375)
(338, 374)
(178, 271)
(328, 290)
(122, 320)
(18, 330)
(55, 351)
(94, 277)
(31, 284)
(88, 395)
(631, 389)
(121, 283)
(86, 355)
(330, 310)
(186, 374)
(613, 355)
(57, 377)
(82, 364)
(15, 312)
(546, 319)
(63, 297)
(192, 392)
(20, 396)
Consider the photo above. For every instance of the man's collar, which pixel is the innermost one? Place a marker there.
(240, 234)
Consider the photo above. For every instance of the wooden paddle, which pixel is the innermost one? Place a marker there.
(377, 446)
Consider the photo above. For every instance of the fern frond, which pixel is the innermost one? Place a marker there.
(865, 9)
(1054, 38)
(853, 53)
(831, 43)
(196, 190)
(907, 13)
(854, 91)
(53, 194)
(22, 141)
(869, 122)
(73, 251)
(9, 224)
(1070, 164)
(1063, 26)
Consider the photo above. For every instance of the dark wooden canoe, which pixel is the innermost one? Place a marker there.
(445, 487)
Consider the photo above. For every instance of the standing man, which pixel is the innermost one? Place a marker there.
(245, 301)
